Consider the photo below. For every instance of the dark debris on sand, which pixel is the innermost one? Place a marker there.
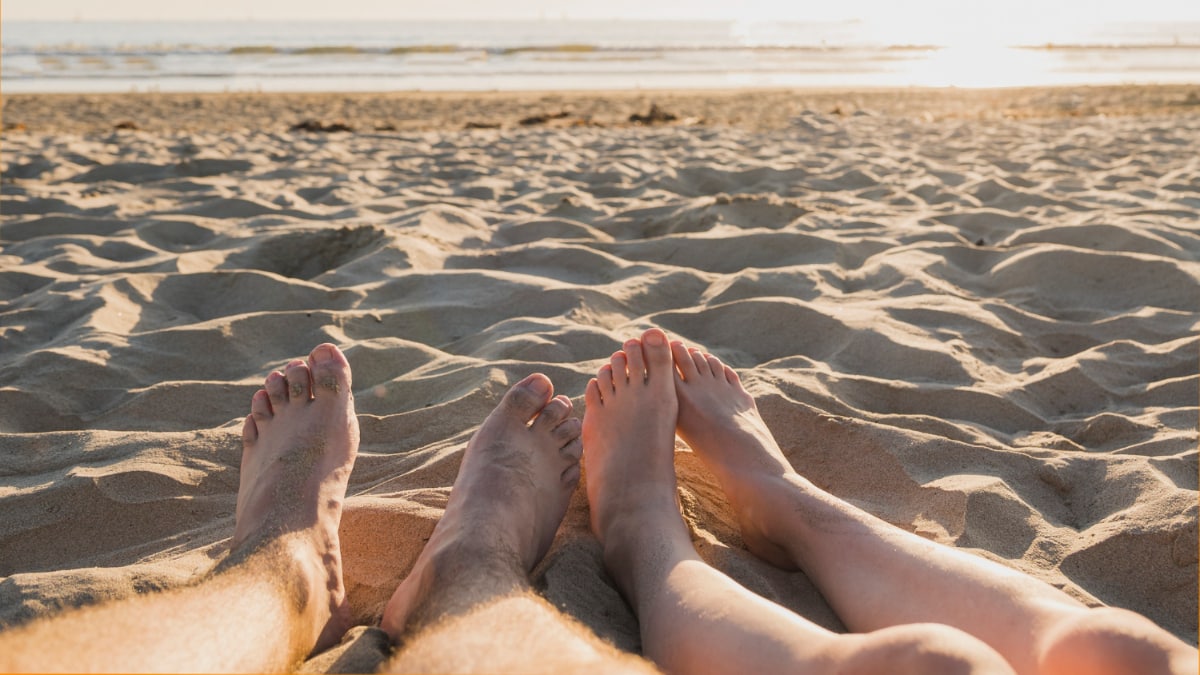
(656, 115)
(427, 111)
(321, 126)
(542, 118)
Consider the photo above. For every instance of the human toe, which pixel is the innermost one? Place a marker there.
(552, 414)
(249, 430)
(568, 430)
(299, 381)
(260, 406)
(276, 388)
(528, 397)
(571, 474)
(573, 450)
(683, 360)
(715, 365)
(636, 360)
(619, 367)
(330, 369)
(591, 395)
(605, 380)
(731, 377)
(656, 350)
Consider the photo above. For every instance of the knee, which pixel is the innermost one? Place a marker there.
(927, 649)
(1108, 640)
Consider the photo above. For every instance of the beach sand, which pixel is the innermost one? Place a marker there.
(974, 314)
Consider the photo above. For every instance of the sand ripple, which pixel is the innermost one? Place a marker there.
(982, 331)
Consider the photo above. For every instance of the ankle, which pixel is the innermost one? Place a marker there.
(770, 510)
(636, 515)
(292, 565)
(640, 565)
(752, 489)
(453, 577)
(643, 539)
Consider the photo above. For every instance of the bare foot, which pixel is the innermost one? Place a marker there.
(516, 478)
(720, 422)
(629, 433)
(298, 448)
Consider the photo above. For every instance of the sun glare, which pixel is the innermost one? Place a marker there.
(979, 65)
(973, 50)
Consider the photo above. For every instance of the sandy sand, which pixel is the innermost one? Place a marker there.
(972, 313)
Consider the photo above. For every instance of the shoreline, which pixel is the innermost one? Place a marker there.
(754, 109)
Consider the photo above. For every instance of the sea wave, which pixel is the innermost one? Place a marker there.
(81, 50)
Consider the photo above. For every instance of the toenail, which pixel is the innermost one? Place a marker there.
(322, 353)
(539, 385)
(655, 338)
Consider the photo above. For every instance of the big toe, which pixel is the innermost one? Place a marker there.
(657, 351)
(527, 397)
(330, 370)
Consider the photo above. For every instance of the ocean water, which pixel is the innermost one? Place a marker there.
(572, 55)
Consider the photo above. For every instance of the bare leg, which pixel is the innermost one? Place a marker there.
(876, 575)
(467, 604)
(693, 618)
(278, 593)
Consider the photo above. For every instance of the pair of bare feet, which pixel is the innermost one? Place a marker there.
(516, 478)
(914, 606)
(649, 391)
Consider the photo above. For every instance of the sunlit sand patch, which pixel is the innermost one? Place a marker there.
(980, 329)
